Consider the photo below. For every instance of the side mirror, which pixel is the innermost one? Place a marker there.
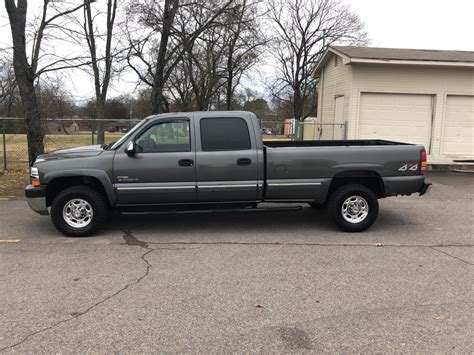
(130, 150)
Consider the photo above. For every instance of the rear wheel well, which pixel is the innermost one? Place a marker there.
(367, 178)
(55, 186)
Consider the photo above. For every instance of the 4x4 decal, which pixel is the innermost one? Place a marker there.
(409, 167)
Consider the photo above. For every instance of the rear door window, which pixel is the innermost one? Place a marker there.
(220, 134)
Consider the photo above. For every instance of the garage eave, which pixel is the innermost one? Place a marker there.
(411, 62)
(325, 57)
(395, 56)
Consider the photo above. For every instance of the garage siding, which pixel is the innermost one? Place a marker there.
(336, 82)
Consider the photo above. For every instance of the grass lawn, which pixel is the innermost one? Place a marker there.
(13, 181)
(17, 149)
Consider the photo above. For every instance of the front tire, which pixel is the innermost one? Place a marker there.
(353, 207)
(79, 211)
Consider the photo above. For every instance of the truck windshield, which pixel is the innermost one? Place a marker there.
(126, 136)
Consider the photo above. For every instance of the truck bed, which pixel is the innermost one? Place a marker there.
(331, 143)
(306, 168)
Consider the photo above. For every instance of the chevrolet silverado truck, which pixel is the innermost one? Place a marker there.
(199, 162)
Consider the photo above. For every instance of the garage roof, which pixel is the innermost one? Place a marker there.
(405, 54)
(354, 54)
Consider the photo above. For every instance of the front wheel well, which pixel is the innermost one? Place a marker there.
(369, 179)
(55, 186)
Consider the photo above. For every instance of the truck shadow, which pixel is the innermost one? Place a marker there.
(227, 222)
(305, 223)
(260, 227)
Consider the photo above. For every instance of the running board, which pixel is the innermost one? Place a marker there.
(228, 210)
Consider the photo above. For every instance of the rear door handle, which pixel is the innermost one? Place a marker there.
(244, 161)
(186, 162)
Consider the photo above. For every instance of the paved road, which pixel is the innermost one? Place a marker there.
(273, 282)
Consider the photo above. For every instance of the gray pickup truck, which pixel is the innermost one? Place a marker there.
(198, 162)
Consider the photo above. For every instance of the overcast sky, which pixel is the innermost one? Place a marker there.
(424, 24)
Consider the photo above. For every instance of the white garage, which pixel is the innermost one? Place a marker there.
(398, 117)
(406, 95)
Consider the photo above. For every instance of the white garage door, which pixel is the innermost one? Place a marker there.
(398, 117)
(458, 130)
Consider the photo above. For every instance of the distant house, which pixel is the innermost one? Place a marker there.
(60, 126)
(407, 95)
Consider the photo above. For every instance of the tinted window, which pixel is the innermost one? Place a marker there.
(224, 134)
(165, 137)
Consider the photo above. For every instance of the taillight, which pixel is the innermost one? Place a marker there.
(423, 162)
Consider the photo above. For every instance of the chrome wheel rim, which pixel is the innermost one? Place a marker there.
(355, 209)
(78, 213)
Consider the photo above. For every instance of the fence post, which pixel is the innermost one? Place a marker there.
(92, 137)
(4, 146)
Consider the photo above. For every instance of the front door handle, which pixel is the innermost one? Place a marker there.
(244, 161)
(186, 162)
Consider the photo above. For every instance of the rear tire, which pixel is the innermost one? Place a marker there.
(353, 207)
(79, 211)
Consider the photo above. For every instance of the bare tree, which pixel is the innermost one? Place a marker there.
(26, 70)
(170, 8)
(54, 101)
(102, 74)
(205, 67)
(218, 57)
(140, 106)
(173, 29)
(244, 42)
(302, 31)
(8, 87)
(180, 89)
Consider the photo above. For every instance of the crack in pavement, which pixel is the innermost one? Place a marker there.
(377, 245)
(132, 241)
(452, 256)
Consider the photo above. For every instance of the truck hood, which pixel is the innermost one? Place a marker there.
(76, 152)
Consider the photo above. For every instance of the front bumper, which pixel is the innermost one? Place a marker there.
(36, 198)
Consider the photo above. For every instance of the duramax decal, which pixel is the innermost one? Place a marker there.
(126, 179)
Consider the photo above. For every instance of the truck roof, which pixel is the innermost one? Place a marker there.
(210, 113)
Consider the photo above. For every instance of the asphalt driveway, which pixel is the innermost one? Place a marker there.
(263, 282)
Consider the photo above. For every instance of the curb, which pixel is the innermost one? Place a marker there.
(458, 168)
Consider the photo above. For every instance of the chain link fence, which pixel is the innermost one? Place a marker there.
(59, 134)
(73, 132)
(291, 129)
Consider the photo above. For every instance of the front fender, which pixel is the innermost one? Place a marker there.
(100, 175)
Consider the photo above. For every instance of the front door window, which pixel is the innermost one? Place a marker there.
(165, 137)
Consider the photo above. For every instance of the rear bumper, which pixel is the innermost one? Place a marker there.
(425, 188)
(36, 198)
(405, 185)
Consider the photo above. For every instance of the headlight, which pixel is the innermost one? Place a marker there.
(34, 177)
(34, 173)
